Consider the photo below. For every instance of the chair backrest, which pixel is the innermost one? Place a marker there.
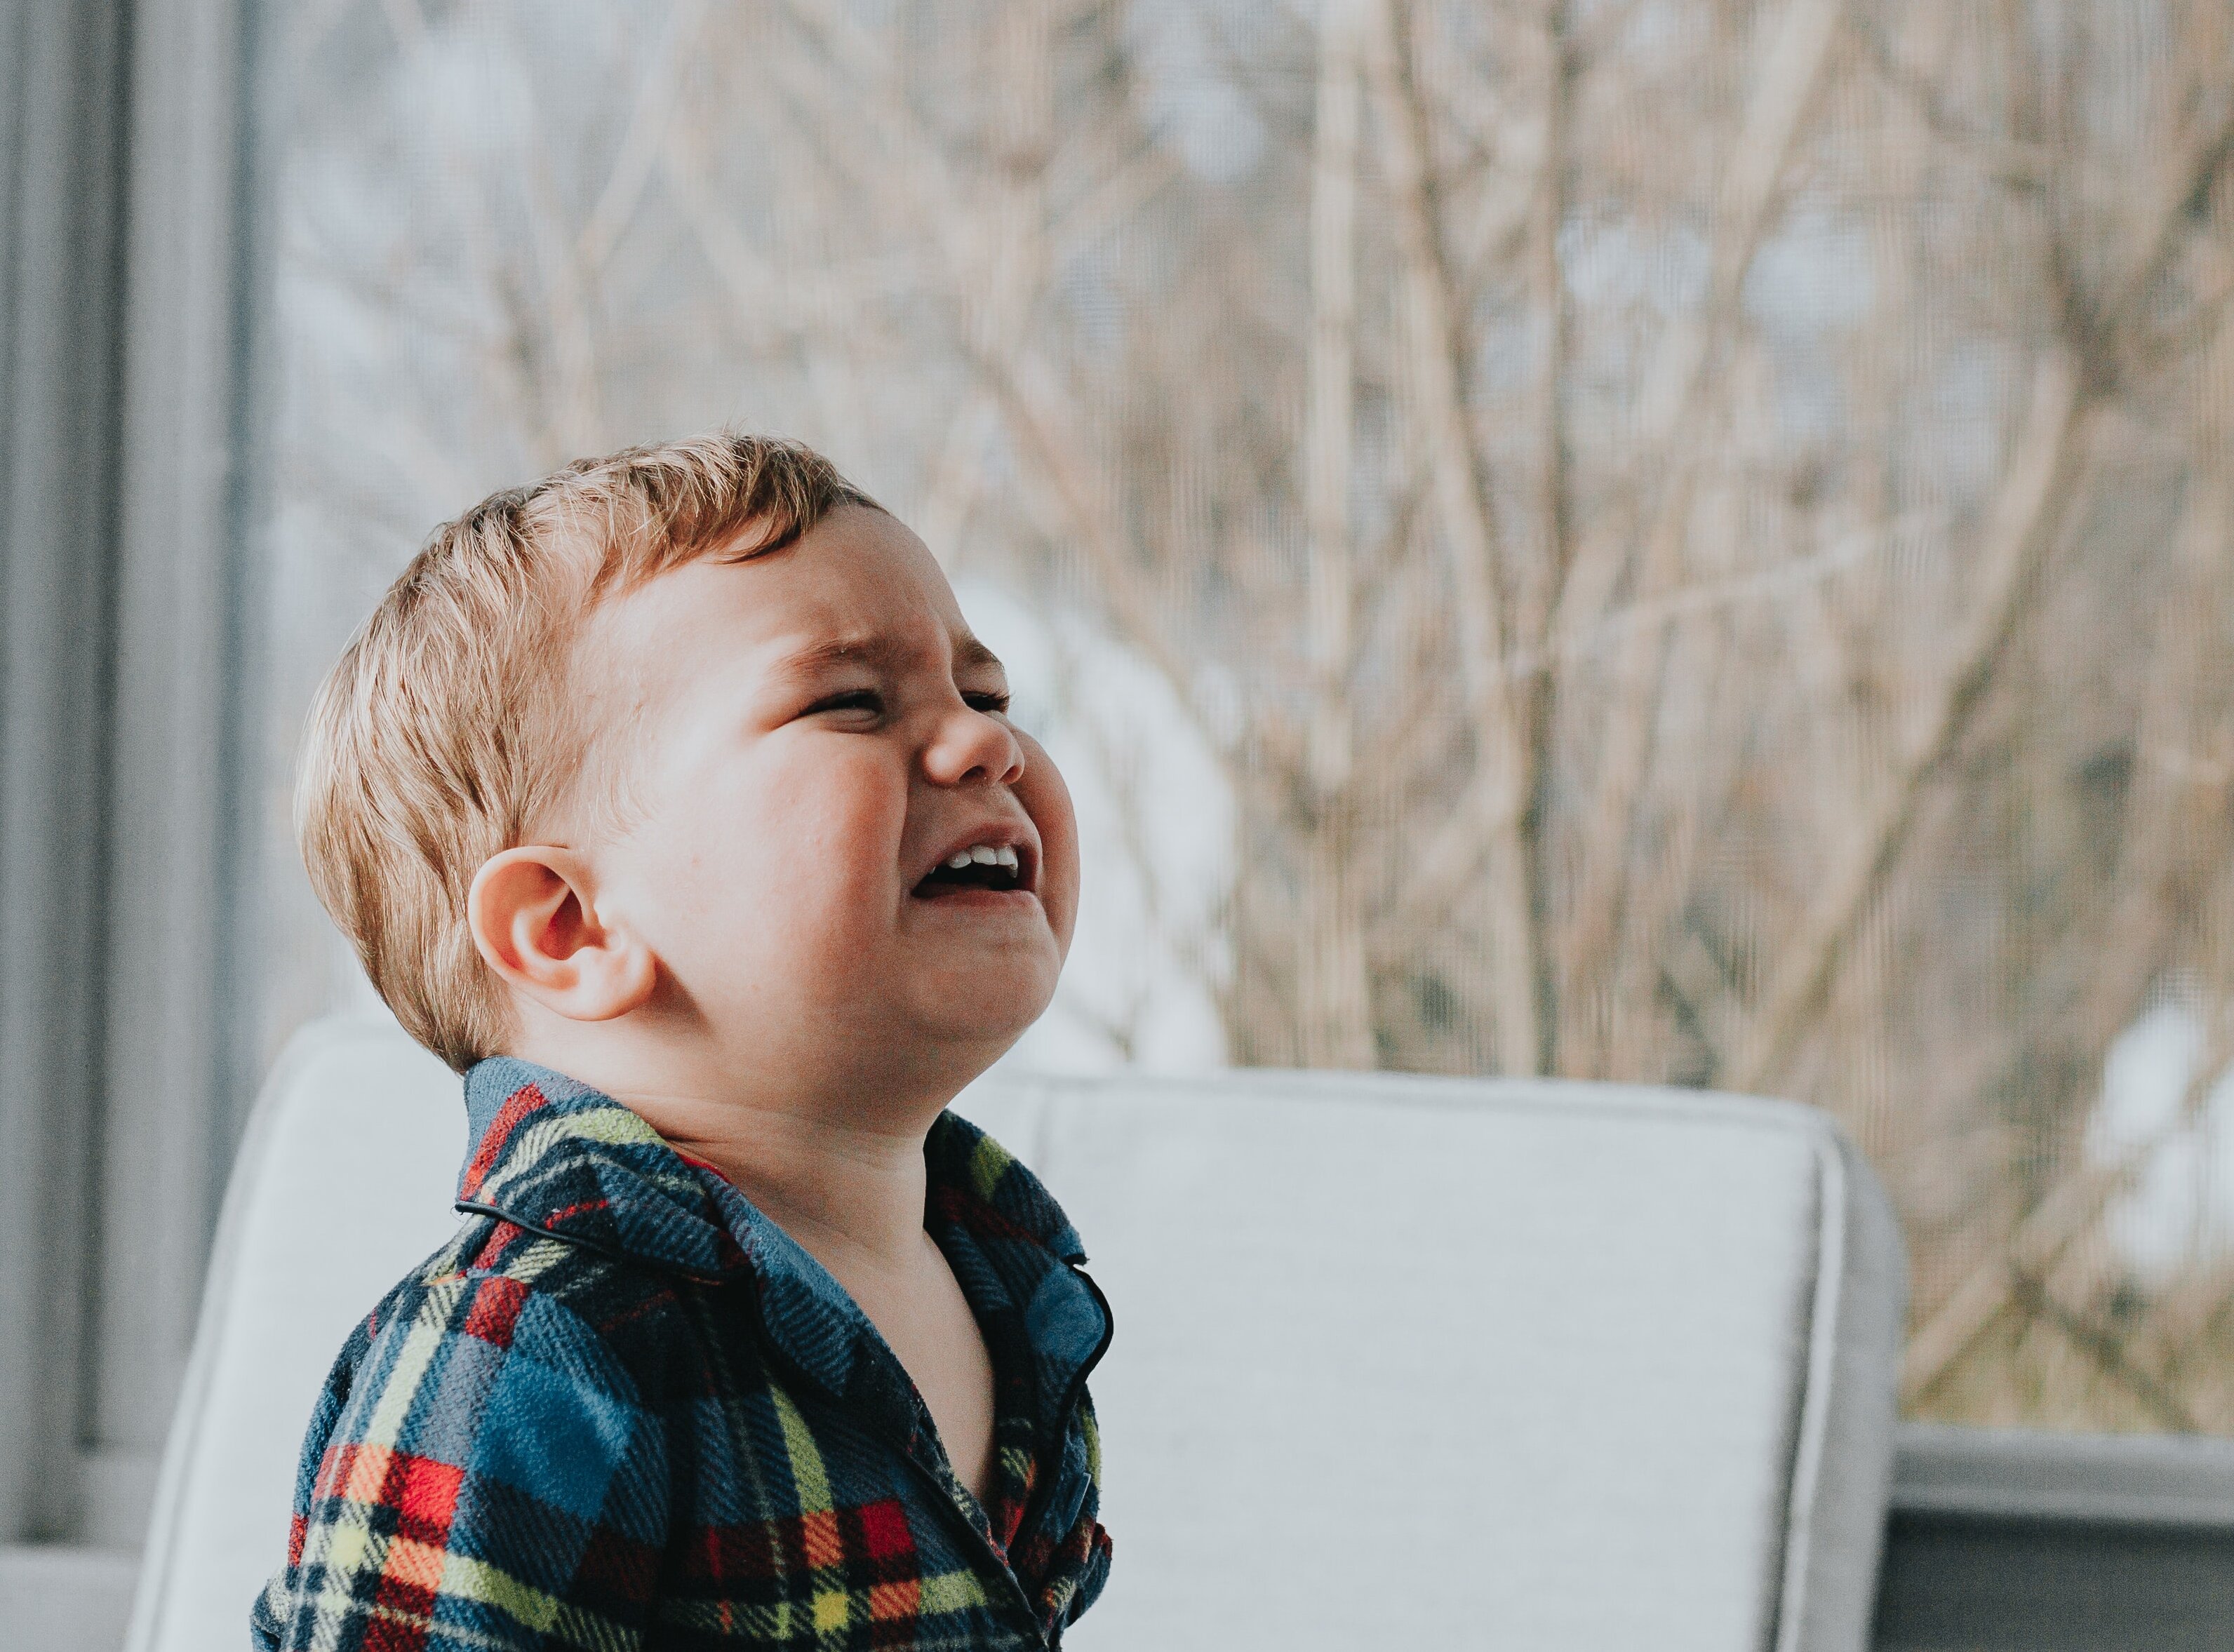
(342, 1184)
(1398, 1361)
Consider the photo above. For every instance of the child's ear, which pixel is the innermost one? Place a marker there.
(534, 923)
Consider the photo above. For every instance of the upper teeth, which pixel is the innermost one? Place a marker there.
(983, 854)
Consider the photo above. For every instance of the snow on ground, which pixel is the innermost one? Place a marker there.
(2181, 1203)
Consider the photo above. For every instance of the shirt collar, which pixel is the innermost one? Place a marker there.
(559, 1157)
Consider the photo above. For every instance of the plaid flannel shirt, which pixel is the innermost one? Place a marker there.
(624, 1409)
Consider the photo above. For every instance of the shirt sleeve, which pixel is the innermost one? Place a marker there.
(480, 1474)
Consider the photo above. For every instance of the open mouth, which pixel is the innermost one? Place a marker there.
(981, 866)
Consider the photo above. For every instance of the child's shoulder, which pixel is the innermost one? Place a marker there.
(511, 1386)
(501, 1298)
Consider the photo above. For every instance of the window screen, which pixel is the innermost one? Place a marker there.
(1669, 540)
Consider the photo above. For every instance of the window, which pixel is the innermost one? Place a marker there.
(1677, 542)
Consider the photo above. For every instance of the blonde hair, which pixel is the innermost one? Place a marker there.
(443, 734)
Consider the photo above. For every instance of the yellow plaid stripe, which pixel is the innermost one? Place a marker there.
(939, 1594)
(608, 1126)
(987, 1166)
(810, 1480)
(421, 1344)
(351, 1551)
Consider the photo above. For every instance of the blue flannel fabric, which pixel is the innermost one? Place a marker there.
(624, 1409)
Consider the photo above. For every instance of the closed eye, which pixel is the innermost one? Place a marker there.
(852, 699)
(997, 704)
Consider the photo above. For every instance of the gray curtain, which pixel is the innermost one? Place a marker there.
(127, 259)
(62, 160)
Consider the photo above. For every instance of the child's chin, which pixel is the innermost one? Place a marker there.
(993, 1004)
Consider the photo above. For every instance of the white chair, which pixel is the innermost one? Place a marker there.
(1399, 1362)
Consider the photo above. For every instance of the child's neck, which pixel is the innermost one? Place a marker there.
(852, 1194)
(844, 1179)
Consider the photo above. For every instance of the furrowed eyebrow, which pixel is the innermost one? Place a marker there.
(884, 651)
(840, 651)
(969, 653)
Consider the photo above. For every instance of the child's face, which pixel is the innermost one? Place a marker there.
(818, 735)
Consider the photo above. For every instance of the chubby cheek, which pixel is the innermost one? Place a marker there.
(1047, 800)
(780, 882)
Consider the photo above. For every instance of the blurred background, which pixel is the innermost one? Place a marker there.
(1688, 541)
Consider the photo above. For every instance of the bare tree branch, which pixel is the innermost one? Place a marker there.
(1337, 1008)
(2039, 479)
(1501, 790)
(2036, 490)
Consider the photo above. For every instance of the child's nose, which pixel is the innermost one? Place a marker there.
(974, 745)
